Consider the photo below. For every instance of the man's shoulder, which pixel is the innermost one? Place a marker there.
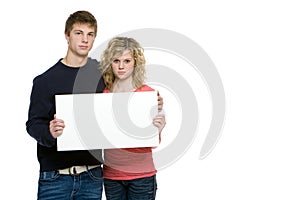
(47, 72)
(93, 61)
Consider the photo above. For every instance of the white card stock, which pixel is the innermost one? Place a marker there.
(107, 120)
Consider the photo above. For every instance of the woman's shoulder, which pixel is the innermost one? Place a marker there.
(144, 88)
(106, 90)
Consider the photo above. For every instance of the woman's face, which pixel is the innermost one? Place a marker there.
(123, 66)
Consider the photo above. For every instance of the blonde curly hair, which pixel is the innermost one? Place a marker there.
(115, 48)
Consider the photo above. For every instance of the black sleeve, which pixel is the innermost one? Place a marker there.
(39, 115)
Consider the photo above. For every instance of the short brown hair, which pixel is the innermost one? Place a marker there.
(82, 17)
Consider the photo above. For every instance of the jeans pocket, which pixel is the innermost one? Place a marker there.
(48, 176)
(96, 174)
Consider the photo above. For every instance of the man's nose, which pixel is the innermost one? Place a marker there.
(84, 38)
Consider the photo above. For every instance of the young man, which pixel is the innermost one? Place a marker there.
(66, 174)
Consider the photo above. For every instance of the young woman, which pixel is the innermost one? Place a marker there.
(129, 173)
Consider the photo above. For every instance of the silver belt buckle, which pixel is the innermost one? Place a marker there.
(73, 172)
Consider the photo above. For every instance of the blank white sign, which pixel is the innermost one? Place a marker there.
(107, 120)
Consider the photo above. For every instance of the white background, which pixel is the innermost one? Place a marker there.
(255, 46)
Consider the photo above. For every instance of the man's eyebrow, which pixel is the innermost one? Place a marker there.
(83, 31)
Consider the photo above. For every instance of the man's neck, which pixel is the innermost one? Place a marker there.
(74, 61)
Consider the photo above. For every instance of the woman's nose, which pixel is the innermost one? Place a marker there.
(121, 65)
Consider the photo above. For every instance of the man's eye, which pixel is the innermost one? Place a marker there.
(91, 34)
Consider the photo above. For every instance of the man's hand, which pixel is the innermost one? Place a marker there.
(56, 127)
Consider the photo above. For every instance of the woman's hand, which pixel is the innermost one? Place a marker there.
(160, 102)
(159, 121)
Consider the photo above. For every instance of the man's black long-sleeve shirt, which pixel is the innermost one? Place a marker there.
(60, 79)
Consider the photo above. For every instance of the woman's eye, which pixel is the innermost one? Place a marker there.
(116, 61)
(127, 61)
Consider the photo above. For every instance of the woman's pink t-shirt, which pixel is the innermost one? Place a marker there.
(129, 163)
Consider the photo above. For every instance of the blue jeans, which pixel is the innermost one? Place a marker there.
(136, 189)
(55, 186)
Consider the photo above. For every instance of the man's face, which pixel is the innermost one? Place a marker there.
(81, 39)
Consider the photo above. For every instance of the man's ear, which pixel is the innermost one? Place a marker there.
(67, 38)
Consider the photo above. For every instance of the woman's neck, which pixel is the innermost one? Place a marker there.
(123, 86)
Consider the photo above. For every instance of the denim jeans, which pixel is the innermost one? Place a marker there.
(55, 186)
(136, 189)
